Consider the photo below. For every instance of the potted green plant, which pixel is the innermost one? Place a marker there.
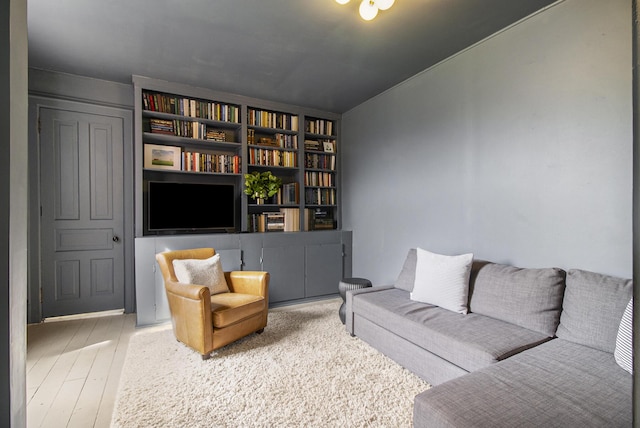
(261, 185)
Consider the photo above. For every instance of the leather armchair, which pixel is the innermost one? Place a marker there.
(205, 322)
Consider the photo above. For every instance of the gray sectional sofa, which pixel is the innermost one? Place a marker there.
(536, 348)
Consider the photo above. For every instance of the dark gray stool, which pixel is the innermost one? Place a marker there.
(349, 284)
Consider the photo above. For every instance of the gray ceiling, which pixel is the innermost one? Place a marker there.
(312, 53)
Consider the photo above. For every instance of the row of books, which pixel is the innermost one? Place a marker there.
(210, 162)
(319, 161)
(318, 126)
(285, 220)
(320, 196)
(315, 178)
(211, 110)
(272, 119)
(188, 129)
(269, 157)
(285, 141)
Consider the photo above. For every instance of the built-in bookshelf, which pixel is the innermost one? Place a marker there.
(272, 144)
(320, 164)
(195, 135)
(190, 135)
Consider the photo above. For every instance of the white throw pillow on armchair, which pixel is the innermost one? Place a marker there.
(443, 280)
(202, 272)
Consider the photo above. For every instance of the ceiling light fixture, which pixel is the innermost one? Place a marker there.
(369, 8)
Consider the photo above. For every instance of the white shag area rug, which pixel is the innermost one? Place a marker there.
(305, 370)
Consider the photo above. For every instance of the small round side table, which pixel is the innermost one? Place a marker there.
(349, 284)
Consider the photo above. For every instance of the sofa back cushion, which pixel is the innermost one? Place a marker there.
(529, 298)
(407, 276)
(592, 309)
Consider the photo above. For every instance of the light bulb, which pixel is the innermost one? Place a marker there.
(342, 1)
(368, 10)
(384, 4)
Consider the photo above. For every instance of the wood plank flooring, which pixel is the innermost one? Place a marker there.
(73, 369)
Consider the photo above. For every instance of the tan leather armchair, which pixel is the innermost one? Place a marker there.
(205, 322)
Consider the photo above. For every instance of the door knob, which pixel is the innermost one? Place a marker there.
(115, 238)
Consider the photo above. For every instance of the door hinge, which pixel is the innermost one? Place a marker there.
(39, 125)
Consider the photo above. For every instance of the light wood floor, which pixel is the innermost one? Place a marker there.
(73, 370)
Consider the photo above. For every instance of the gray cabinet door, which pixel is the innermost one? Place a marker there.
(323, 265)
(82, 214)
(285, 265)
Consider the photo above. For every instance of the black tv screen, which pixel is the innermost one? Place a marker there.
(190, 207)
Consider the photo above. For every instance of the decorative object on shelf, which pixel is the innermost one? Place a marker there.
(162, 157)
(369, 8)
(328, 146)
(261, 185)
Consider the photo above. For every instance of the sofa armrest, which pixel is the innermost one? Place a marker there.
(349, 309)
(248, 282)
(190, 307)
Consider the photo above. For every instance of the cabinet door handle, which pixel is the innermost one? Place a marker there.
(115, 238)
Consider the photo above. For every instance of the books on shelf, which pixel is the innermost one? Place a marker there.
(318, 126)
(211, 162)
(319, 161)
(274, 221)
(267, 222)
(272, 119)
(320, 145)
(272, 157)
(284, 141)
(285, 220)
(323, 219)
(217, 135)
(189, 129)
(292, 219)
(288, 194)
(318, 179)
(211, 110)
(320, 196)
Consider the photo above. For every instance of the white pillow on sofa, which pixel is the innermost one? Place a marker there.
(202, 272)
(442, 280)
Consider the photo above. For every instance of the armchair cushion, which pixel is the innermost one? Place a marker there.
(229, 308)
(202, 272)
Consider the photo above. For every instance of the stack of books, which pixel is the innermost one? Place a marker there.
(161, 126)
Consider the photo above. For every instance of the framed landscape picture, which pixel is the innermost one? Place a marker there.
(162, 157)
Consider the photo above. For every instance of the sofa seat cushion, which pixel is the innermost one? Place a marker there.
(556, 384)
(469, 341)
(229, 308)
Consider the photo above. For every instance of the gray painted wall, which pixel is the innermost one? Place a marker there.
(518, 149)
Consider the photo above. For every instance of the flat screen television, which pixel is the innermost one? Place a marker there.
(190, 207)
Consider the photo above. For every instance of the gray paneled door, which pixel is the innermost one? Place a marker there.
(82, 218)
